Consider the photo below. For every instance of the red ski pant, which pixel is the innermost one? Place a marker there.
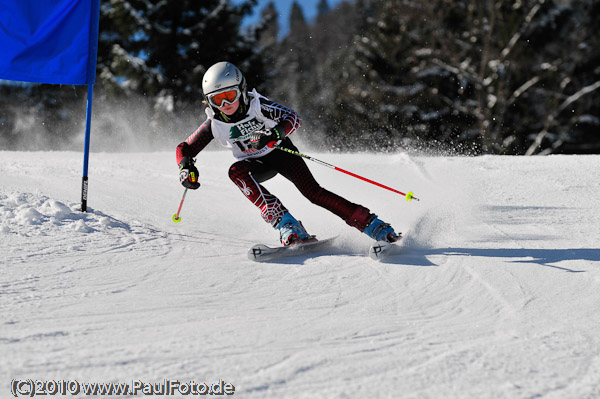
(249, 173)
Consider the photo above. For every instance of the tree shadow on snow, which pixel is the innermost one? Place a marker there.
(422, 257)
(541, 257)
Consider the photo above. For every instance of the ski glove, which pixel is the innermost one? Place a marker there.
(188, 173)
(267, 138)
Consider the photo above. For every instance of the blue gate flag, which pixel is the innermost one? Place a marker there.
(49, 41)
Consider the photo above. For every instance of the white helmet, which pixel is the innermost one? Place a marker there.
(220, 77)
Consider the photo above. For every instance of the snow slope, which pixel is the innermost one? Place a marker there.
(496, 293)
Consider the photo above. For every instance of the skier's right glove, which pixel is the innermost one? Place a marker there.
(188, 173)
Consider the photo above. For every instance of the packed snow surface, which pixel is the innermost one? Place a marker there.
(495, 292)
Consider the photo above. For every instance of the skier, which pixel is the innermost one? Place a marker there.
(253, 126)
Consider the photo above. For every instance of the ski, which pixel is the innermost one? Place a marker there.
(380, 250)
(263, 253)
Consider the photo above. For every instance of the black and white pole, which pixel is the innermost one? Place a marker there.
(86, 149)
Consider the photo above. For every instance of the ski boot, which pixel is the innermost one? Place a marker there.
(291, 231)
(380, 231)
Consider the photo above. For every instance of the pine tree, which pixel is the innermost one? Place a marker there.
(160, 46)
(299, 29)
(158, 52)
(268, 29)
(322, 9)
(380, 103)
(294, 61)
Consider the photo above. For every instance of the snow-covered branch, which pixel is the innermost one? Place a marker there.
(523, 88)
(551, 117)
(515, 38)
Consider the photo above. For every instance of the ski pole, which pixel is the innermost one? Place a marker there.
(409, 196)
(176, 217)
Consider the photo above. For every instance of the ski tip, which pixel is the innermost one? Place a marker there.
(378, 249)
(256, 251)
(264, 253)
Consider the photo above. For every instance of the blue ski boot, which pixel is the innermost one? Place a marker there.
(380, 231)
(291, 231)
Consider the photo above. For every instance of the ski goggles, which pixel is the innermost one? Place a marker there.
(228, 95)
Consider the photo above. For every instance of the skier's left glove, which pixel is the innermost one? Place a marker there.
(267, 138)
(188, 173)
